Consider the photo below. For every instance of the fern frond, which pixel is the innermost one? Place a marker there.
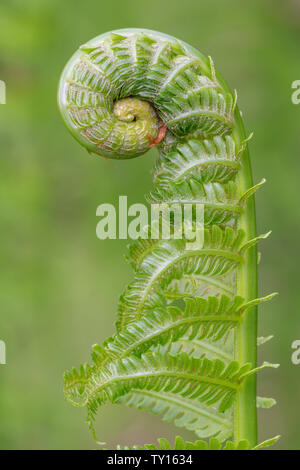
(200, 285)
(194, 115)
(202, 380)
(176, 330)
(140, 248)
(75, 382)
(180, 444)
(221, 253)
(201, 318)
(214, 159)
(184, 412)
(213, 444)
(220, 349)
(221, 201)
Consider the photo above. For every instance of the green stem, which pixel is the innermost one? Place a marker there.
(245, 414)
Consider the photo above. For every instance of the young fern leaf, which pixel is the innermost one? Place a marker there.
(187, 323)
(205, 160)
(204, 420)
(221, 253)
(221, 349)
(213, 444)
(201, 318)
(202, 380)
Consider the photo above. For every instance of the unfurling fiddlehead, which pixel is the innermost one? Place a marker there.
(186, 338)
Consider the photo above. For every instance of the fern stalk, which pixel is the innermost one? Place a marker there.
(245, 416)
(121, 94)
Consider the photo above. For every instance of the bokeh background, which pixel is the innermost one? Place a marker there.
(59, 285)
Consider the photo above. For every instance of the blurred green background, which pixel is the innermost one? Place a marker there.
(59, 284)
